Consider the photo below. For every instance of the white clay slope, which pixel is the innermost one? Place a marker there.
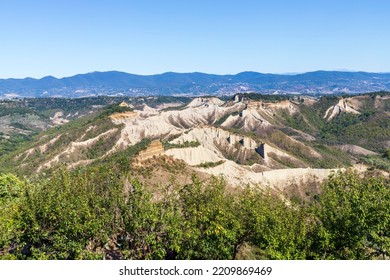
(341, 106)
(211, 140)
(165, 124)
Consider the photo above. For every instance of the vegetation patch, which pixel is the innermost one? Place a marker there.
(210, 164)
(377, 162)
(220, 121)
(185, 144)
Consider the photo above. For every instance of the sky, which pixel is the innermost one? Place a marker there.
(64, 38)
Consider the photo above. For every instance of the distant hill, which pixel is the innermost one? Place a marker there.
(120, 83)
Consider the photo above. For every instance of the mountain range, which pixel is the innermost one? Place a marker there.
(116, 83)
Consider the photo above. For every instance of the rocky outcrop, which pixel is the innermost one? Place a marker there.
(194, 155)
(341, 106)
(248, 120)
(124, 115)
(221, 142)
(270, 108)
(152, 124)
(200, 101)
(148, 111)
(58, 119)
(154, 149)
(123, 104)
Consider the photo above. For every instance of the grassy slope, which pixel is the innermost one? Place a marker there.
(81, 129)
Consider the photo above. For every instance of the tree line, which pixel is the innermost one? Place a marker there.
(98, 214)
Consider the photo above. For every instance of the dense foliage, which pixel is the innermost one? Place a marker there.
(91, 214)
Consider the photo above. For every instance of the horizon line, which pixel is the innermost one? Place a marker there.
(198, 72)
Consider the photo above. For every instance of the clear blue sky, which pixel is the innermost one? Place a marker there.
(64, 38)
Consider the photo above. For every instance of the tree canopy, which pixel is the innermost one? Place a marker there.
(101, 215)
